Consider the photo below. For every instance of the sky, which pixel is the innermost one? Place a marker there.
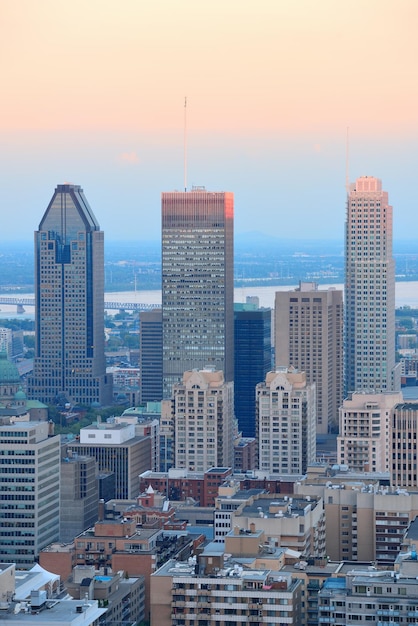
(93, 93)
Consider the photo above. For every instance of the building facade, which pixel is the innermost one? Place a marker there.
(69, 363)
(203, 421)
(404, 441)
(365, 425)
(151, 355)
(309, 336)
(252, 346)
(197, 283)
(116, 449)
(286, 422)
(79, 496)
(369, 290)
(29, 491)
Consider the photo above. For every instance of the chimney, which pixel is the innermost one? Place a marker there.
(101, 510)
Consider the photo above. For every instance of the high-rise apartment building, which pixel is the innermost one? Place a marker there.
(29, 491)
(252, 327)
(369, 290)
(197, 283)
(286, 406)
(309, 336)
(151, 355)
(69, 360)
(203, 409)
(365, 425)
(404, 442)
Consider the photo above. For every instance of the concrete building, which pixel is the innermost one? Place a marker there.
(369, 290)
(308, 327)
(182, 485)
(288, 521)
(79, 498)
(368, 595)
(151, 355)
(116, 448)
(203, 409)
(245, 453)
(403, 445)
(286, 422)
(33, 597)
(29, 490)
(364, 441)
(218, 589)
(368, 520)
(250, 563)
(146, 420)
(197, 283)
(253, 359)
(6, 342)
(122, 596)
(69, 364)
(119, 544)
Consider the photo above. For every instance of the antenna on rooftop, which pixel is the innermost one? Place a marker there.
(347, 161)
(185, 144)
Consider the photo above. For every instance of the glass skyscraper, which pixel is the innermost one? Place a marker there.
(252, 361)
(369, 342)
(69, 363)
(197, 283)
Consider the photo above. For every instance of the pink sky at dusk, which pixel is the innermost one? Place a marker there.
(93, 92)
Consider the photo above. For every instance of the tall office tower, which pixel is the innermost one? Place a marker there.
(309, 336)
(29, 491)
(365, 424)
(286, 421)
(252, 346)
(203, 409)
(197, 283)
(69, 360)
(79, 496)
(369, 290)
(151, 355)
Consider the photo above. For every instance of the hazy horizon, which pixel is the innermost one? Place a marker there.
(93, 93)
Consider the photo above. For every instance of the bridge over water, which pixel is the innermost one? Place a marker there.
(21, 303)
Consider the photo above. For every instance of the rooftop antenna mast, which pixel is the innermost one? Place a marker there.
(185, 144)
(347, 161)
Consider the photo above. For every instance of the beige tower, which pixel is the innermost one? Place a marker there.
(365, 422)
(309, 336)
(285, 422)
(203, 409)
(369, 290)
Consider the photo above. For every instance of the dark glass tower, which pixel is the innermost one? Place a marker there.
(252, 361)
(151, 355)
(197, 283)
(69, 363)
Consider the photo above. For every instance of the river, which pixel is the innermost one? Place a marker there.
(406, 295)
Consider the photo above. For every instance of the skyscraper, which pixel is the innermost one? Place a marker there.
(197, 283)
(252, 360)
(29, 490)
(69, 360)
(309, 335)
(151, 355)
(203, 409)
(369, 290)
(286, 407)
